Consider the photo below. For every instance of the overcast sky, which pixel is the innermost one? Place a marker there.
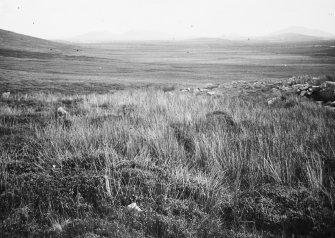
(59, 19)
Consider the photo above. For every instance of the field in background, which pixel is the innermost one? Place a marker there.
(106, 67)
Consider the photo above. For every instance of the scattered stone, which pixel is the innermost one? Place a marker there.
(285, 88)
(332, 104)
(301, 86)
(5, 95)
(134, 206)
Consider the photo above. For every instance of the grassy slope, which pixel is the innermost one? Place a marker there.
(252, 171)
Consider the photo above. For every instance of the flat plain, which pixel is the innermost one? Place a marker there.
(32, 64)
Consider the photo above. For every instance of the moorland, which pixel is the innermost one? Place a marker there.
(197, 165)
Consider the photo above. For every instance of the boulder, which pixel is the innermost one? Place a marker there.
(5, 95)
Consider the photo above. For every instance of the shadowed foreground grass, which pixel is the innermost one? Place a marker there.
(198, 166)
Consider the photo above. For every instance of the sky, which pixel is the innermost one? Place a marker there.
(61, 19)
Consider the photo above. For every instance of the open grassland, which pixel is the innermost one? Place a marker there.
(70, 69)
(198, 166)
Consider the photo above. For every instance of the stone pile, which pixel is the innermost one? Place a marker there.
(317, 89)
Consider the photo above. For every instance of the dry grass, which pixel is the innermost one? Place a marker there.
(246, 170)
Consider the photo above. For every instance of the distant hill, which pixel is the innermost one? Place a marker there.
(289, 37)
(305, 31)
(12, 40)
(103, 37)
(292, 34)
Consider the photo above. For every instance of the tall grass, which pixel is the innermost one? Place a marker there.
(153, 145)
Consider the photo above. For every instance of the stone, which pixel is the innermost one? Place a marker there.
(211, 93)
(291, 80)
(301, 86)
(211, 86)
(303, 93)
(325, 94)
(5, 95)
(314, 89)
(185, 90)
(196, 91)
(134, 206)
(330, 83)
(62, 113)
(274, 100)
